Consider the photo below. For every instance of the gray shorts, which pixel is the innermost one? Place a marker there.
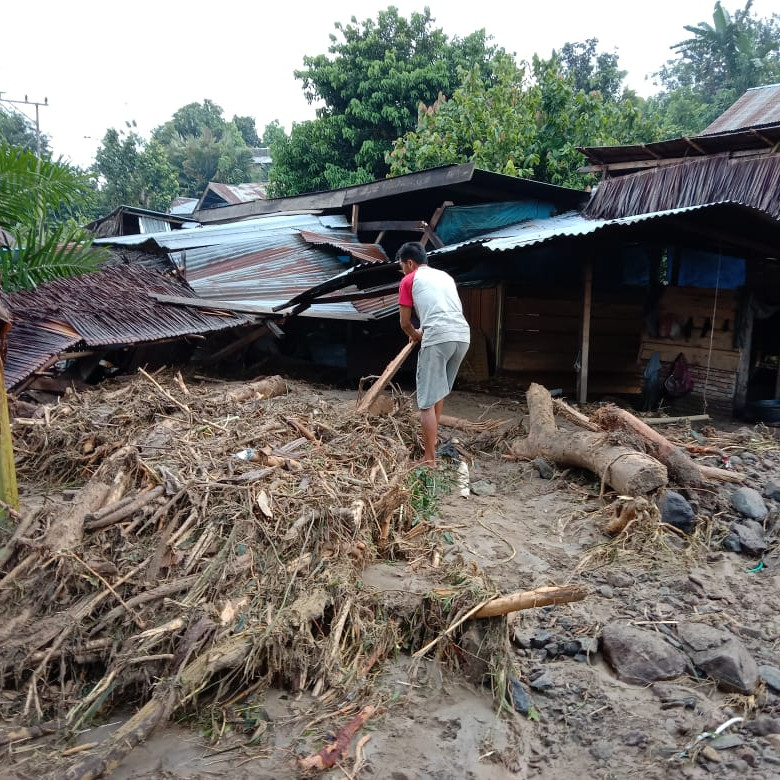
(437, 367)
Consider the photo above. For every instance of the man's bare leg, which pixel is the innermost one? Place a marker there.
(429, 424)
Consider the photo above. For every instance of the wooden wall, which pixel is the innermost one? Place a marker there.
(542, 339)
(713, 348)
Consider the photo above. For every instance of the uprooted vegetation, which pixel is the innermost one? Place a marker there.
(215, 542)
(213, 545)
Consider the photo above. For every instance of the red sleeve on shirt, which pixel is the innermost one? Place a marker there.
(405, 290)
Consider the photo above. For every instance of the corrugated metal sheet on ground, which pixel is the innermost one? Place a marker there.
(757, 107)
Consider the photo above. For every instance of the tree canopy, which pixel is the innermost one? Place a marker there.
(367, 89)
(18, 130)
(527, 121)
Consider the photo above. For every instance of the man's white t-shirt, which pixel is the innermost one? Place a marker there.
(435, 299)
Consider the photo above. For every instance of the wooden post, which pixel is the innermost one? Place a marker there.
(9, 492)
(500, 306)
(743, 369)
(582, 378)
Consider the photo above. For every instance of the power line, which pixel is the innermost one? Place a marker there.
(37, 105)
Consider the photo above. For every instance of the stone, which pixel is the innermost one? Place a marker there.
(721, 656)
(541, 638)
(751, 537)
(544, 682)
(483, 488)
(640, 656)
(731, 543)
(727, 741)
(545, 470)
(676, 511)
(748, 503)
(772, 490)
(521, 698)
(771, 676)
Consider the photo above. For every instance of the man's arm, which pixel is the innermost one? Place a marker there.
(406, 324)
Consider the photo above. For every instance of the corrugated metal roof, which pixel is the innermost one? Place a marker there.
(238, 193)
(257, 264)
(759, 106)
(571, 224)
(734, 223)
(110, 307)
(232, 232)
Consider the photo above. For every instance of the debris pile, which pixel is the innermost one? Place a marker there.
(212, 545)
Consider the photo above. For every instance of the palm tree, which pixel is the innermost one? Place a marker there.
(38, 240)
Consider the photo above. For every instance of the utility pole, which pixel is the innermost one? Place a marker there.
(37, 118)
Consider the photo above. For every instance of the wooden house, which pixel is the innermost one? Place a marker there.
(718, 306)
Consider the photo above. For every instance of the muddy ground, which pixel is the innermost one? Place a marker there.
(524, 530)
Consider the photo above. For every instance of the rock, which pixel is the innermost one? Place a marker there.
(748, 503)
(727, 741)
(570, 647)
(589, 644)
(639, 656)
(483, 488)
(771, 676)
(751, 537)
(606, 591)
(676, 511)
(521, 699)
(619, 579)
(710, 754)
(541, 638)
(721, 656)
(546, 471)
(544, 682)
(772, 490)
(732, 544)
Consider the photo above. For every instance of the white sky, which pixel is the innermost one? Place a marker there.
(101, 64)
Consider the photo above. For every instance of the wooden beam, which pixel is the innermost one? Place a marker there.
(244, 341)
(365, 403)
(355, 212)
(743, 367)
(582, 376)
(394, 224)
(204, 303)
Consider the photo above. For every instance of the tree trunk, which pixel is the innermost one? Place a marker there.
(629, 472)
(681, 466)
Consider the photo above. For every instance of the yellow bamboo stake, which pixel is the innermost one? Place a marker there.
(9, 492)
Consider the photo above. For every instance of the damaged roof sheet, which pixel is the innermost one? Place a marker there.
(701, 220)
(757, 107)
(257, 264)
(110, 307)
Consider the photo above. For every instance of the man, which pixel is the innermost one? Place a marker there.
(443, 335)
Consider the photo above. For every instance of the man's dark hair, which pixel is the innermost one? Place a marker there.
(412, 250)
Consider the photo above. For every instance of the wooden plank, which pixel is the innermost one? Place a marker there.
(582, 384)
(668, 351)
(364, 404)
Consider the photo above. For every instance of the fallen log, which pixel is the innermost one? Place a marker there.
(540, 597)
(629, 472)
(469, 426)
(261, 389)
(366, 402)
(682, 468)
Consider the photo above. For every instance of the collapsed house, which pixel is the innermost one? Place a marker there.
(669, 267)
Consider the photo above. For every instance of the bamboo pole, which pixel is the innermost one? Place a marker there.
(9, 492)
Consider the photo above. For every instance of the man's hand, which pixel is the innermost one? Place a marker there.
(416, 337)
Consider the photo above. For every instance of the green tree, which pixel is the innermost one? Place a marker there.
(714, 66)
(246, 126)
(202, 147)
(37, 243)
(273, 133)
(133, 172)
(17, 130)
(527, 122)
(368, 88)
(591, 70)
